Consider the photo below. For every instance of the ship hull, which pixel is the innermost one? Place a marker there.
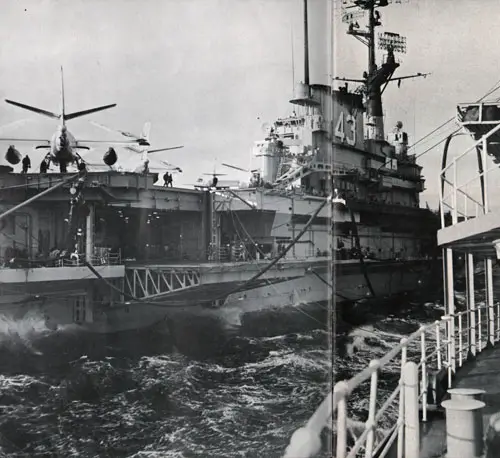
(385, 279)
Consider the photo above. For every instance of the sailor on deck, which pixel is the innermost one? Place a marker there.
(26, 164)
(167, 179)
(44, 165)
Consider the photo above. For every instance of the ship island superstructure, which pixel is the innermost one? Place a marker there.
(333, 203)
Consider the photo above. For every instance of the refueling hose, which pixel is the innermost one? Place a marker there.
(358, 247)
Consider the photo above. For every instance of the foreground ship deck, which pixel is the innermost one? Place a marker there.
(447, 401)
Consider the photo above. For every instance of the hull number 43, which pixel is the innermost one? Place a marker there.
(345, 129)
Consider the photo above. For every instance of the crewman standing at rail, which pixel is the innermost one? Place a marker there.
(44, 165)
(26, 164)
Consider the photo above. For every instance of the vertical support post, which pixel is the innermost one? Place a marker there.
(454, 211)
(485, 176)
(460, 340)
(441, 197)
(423, 361)
(401, 429)
(471, 304)
(465, 206)
(450, 304)
(497, 335)
(489, 301)
(479, 330)
(292, 224)
(89, 234)
(412, 431)
(341, 390)
(449, 368)
(441, 206)
(438, 345)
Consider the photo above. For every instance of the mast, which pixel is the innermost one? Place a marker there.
(302, 95)
(375, 77)
(306, 51)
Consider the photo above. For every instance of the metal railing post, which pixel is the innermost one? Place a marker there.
(412, 431)
(489, 301)
(372, 410)
(450, 304)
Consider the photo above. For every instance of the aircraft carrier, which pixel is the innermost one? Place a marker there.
(333, 212)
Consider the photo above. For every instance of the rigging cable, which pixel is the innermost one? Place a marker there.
(495, 88)
(358, 247)
(267, 280)
(284, 252)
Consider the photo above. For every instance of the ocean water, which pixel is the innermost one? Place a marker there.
(371, 340)
(193, 388)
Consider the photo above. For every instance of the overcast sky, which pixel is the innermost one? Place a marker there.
(206, 73)
(454, 40)
(209, 73)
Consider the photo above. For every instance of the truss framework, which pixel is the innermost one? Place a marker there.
(153, 281)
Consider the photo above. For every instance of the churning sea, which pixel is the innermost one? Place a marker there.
(194, 387)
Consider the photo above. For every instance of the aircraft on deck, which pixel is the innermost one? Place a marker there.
(141, 148)
(255, 180)
(62, 145)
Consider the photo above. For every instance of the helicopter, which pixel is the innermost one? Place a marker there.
(255, 180)
(147, 163)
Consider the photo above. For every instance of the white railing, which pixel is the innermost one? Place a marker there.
(464, 199)
(432, 356)
(101, 257)
(80, 259)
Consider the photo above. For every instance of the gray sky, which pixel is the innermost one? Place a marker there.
(454, 40)
(206, 73)
(209, 73)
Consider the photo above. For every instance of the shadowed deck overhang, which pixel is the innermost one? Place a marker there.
(475, 235)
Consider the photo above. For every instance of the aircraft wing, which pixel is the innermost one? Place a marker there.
(108, 142)
(37, 140)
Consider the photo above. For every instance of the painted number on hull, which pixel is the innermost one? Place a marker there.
(346, 123)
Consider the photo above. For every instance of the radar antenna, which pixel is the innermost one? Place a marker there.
(374, 80)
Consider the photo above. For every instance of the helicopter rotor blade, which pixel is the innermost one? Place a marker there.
(125, 134)
(164, 149)
(235, 167)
